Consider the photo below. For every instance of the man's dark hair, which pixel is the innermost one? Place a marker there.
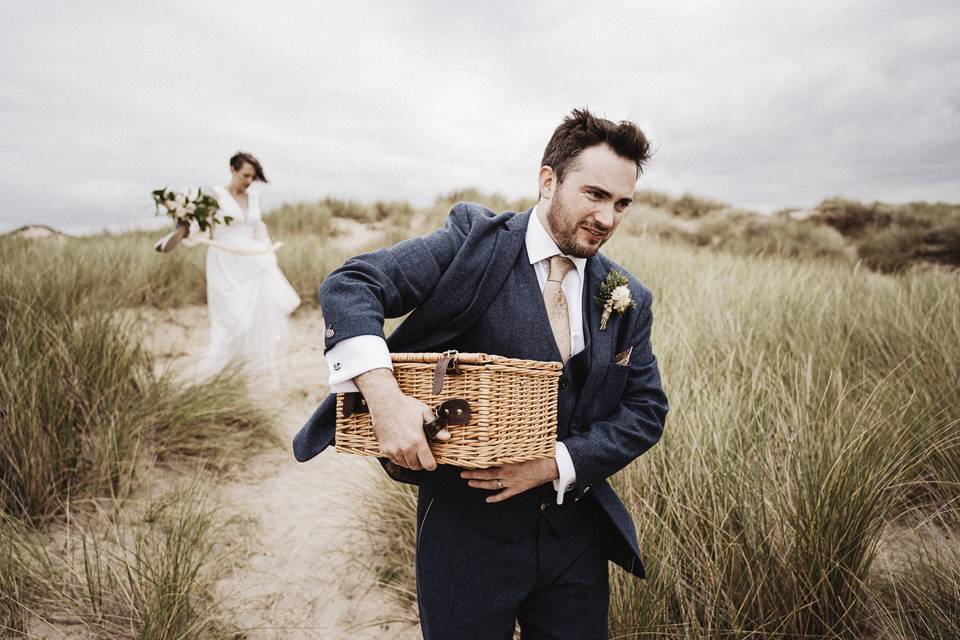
(581, 130)
(238, 159)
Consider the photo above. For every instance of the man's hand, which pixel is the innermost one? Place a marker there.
(398, 421)
(512, 479)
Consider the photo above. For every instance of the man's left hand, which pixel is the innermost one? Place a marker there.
(511, 479)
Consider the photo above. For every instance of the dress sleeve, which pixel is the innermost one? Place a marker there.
(260, 233)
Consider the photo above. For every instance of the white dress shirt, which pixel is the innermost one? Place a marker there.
(353, 356)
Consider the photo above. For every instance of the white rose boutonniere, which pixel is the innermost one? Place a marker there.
(614, 296)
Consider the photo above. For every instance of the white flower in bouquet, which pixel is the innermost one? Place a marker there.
(621, 298)
(183, 207)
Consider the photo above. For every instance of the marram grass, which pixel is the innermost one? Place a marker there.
(120, 572)
(810, 402)
(81, 409)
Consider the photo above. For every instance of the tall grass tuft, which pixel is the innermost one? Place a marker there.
(80, 399)
(72, 387)
(811, 408)
(301, 217)
(81, 407)
(390, 532)
(121, 573)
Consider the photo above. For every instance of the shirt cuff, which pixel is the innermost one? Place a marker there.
(354, 356)
(568, 475)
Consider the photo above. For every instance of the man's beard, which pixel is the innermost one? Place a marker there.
(564, 230)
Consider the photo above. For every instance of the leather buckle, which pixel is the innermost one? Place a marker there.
(455, 412)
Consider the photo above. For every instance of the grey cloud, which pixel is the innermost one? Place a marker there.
(761, 104)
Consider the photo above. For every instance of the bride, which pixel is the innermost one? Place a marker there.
(248, 297)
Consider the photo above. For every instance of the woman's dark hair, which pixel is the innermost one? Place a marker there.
(581, 130)
(240, 158)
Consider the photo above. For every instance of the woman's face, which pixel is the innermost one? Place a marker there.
(243, 176)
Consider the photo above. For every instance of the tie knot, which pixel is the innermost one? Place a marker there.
(559, 266)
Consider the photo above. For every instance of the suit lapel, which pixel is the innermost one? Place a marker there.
(600, 345)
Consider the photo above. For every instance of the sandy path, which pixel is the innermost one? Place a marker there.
(305, 577)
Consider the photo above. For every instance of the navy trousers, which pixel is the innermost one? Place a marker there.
(474, 586)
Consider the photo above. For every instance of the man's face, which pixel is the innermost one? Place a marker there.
(588, 205)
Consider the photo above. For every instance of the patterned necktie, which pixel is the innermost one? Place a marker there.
(556, 303)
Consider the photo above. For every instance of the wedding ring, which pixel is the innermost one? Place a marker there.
(499, 484)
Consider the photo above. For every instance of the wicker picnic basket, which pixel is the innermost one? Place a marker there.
(512, 414)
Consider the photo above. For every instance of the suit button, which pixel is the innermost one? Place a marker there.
(586, 489)
(563, 383)
(544, 505)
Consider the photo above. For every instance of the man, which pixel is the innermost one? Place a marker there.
(525, 542)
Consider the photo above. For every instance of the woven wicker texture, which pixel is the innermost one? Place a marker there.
(513, 404)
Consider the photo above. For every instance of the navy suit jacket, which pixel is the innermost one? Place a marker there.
(445, 281)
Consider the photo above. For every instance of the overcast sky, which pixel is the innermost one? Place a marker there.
(760, 104)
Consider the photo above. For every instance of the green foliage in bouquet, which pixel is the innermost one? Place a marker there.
(614, 280)
(182, 207)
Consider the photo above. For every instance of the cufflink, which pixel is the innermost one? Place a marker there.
(336, 366)
(329, 333)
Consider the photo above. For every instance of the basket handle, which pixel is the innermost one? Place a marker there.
(446, 364)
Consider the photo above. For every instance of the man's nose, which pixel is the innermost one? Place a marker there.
(604, 215)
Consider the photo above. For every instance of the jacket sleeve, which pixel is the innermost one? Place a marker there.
(390, 282)
(636, 422)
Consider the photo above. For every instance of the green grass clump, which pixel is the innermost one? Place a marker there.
(81, 404)
(886, 238)
(317, 217)
(80, 400)
(389, 525)
(748, 234)
(120, 573)
(811, 409)
(685, 206)
(105, 270)
(299, 218)
(81, 408)
(889, 238)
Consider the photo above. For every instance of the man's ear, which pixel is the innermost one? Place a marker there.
(548, 182)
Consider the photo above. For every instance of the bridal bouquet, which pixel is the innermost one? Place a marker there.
(185, 208)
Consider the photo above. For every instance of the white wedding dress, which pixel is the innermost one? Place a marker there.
(248, 297)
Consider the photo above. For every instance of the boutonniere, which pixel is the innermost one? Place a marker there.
(614, 296)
